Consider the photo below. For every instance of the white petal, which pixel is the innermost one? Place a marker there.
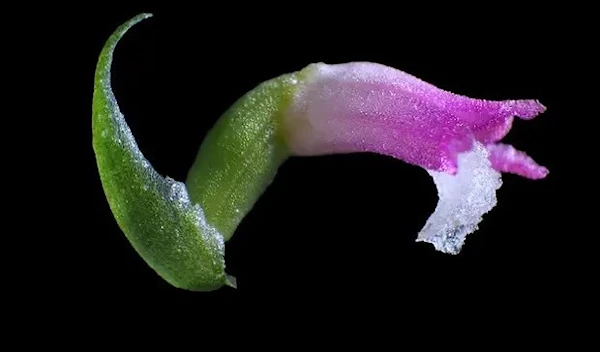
(463, 199)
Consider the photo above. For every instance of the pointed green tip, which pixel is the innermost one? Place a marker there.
(231, 281)
(133, 21)
(143, 16)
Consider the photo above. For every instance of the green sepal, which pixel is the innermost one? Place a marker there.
(166, 229)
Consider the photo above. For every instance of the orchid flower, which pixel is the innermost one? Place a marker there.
(180, 229)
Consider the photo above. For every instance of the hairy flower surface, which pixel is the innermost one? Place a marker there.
(369, 107)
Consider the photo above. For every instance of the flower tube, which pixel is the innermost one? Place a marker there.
(369, 107)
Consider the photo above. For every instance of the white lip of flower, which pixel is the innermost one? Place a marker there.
(463, 200)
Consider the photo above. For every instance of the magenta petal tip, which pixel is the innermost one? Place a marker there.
(524, 109)
(505, 158)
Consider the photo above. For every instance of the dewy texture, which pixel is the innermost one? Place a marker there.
(154, 212)
(241, 154)
(463, 199)
(180, 229)
(368, 107)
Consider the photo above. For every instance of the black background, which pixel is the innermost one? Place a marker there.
(340, 229)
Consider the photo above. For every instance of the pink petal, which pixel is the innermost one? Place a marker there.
(505, 158)
(368, 107)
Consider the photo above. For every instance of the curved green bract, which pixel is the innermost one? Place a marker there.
(167, 231)
(180, 229)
